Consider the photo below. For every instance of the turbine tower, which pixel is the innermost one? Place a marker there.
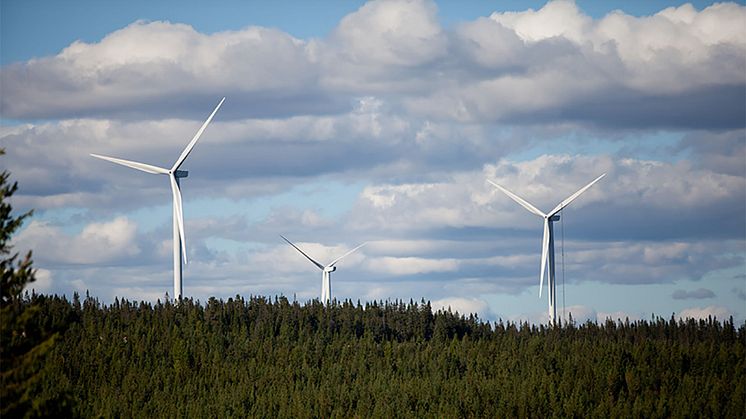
(174, 175)
(326, 271)
(547, 245)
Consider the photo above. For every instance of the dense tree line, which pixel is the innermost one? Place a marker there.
(265, 358)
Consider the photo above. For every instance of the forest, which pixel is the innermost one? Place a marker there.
(261, 357)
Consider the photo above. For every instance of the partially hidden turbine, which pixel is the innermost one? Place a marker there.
(174, 174)
(326, 271)
(547, 243)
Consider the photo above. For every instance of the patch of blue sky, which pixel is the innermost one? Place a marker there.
(72, 220)
(639, 301)
(642, 145)
(328, 198)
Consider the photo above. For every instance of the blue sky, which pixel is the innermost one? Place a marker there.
(348, 121)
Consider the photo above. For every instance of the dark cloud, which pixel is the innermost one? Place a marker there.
(708, 107)
(698, 294)
(721, 152)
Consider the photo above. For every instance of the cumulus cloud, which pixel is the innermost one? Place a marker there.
(616, 316)
(411, 265)
(659, 196)
(96, 243)
(721, 313)
(558, 64)
(464, 306)
(390, 32)
(43, 281)
(678, 68)
(154, 68)
(698, 294)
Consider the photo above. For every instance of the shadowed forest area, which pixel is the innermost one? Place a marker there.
(266, 358)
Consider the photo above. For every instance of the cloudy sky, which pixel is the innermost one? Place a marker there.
(347, 122)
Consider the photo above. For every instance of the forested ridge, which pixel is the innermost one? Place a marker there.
(264, 357)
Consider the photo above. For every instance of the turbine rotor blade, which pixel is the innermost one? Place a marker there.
(346, 254)
(518, 199)
(572, 197)
(179, 214)
(134, 165)
(191, 144)
(320, 266)
(544, 253)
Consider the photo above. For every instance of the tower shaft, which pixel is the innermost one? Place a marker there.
(552, 282)
(177, 255)
(326, 287)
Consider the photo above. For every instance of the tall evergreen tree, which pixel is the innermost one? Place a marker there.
(24, 345)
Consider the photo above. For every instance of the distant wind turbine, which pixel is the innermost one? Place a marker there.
(547, 245)
(174, 175)
(326, 271)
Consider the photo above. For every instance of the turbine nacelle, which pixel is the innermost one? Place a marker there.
(330, 269)
(179, 173)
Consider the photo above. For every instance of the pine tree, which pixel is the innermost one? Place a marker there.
(24, 346)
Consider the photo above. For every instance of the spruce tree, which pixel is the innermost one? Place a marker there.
(24, 346)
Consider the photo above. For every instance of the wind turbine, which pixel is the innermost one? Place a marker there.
(547, 244)
(174, 175)
(326, 271)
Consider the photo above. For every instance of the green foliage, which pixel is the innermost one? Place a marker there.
(275, 358)
(14, 278)
(32, 383)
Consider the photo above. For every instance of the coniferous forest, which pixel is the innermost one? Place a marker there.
(268, 358)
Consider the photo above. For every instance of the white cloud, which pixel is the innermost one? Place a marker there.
(555, 19)
(466, 199)
(43, 282)
(386, 32)
(464, 306)
(616, 316)
(411, 265)
(698, 294)
(721, 313)
(555, 62)
(96, 243)
(147, 60)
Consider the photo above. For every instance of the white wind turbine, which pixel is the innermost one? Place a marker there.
(326, 271)
(547, 245)
(174, 175)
